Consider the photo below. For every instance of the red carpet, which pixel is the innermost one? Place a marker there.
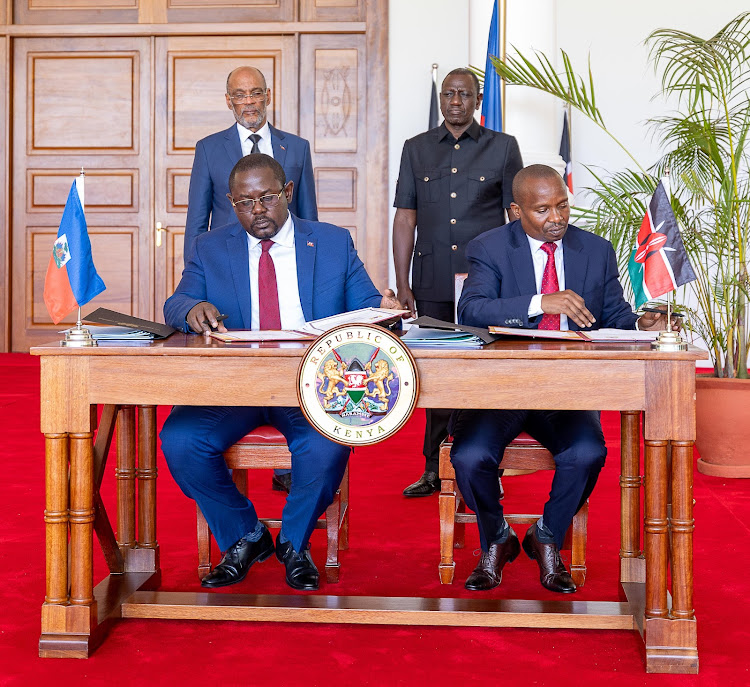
(394, 550)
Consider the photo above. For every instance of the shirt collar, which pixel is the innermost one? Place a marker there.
(284, 237)
(473, 131)
(244, 133)
(537, 245)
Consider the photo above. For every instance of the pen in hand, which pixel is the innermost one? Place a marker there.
(660, 311)
(218, 318)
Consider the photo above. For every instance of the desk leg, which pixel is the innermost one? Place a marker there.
(632, 563)
(125, 475)
(655, 528)
(147, 547)
(69, 621)
(682, 526)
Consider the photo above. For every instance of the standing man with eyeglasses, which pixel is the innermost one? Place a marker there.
(454, 183)
(266, 270)
(248, 98)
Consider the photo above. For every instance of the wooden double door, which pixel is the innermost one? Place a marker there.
(129, 109)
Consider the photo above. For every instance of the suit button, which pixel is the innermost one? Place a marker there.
(453, 195)
(453, 221)
(427, 178)
(454, 247)
(454, 170)
(457, 146)
(481, 178)
(419, 254)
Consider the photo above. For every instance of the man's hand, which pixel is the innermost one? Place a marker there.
(389, 301)
(568, 303)
(652, 321)
(202, 318)
(406, 300)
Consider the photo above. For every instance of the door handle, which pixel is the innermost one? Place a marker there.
(159, 234)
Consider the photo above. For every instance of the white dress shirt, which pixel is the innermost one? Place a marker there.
(265, 139)
(285, 263)
(539, 258)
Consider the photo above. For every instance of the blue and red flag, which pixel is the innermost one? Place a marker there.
(659, 262)
(72, 280)
(492, 106)
(565, 153)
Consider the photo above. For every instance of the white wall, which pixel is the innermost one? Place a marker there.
(455, 34)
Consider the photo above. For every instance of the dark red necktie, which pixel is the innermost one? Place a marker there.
(550, 285)
(268, 293)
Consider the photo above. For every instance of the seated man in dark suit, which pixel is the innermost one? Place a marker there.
(267, 270)
(536, 272)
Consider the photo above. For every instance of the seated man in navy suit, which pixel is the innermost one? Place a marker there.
(248, 98)
(267, 270)
(536, 272)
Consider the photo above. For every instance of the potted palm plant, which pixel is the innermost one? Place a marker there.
(705, 151)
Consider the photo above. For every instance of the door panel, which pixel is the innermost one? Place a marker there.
(333, 94)
(191, 78)
(57, 133)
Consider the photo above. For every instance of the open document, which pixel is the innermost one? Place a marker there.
(594, 336)
(314, 328)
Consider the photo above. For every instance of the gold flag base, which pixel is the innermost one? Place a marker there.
(669, 341)
(78, 337)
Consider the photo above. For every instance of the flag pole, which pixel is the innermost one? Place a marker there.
(79, 336)
(502, 19)
(669, 340)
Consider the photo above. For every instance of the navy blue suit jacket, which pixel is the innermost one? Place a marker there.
(330, 276)
(215, 156)
(501, 280)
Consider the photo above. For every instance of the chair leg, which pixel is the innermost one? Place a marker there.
(447, 507)
(204, 544)
(344, 517)
(332, 534)
(459, 528)
(578, 548)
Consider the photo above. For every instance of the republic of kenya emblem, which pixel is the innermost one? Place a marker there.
(357, 384)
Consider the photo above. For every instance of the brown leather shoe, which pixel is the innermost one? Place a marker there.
(489, 572)
(552, 572)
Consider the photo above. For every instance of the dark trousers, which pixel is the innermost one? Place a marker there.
(574, 437)
(195, 437)
(436, 428)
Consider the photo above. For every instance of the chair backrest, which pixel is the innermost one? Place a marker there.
(458, 285)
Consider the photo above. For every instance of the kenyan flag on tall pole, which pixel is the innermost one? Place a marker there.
(659, 262)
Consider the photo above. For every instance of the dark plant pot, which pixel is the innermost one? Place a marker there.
(722, 408)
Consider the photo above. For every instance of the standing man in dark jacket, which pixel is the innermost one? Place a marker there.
(454, 183)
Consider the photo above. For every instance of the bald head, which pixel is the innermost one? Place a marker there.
(246, 71)
(522, 182)
(541, 203)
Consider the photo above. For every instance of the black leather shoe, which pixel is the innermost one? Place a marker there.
(426, 485)
(552, 572)
(489, 572)
(237, 561)
(282, 482)
(301, 572)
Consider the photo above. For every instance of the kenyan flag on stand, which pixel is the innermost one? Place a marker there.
(658, 263)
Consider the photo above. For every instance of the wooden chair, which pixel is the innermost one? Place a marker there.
(525, 454)
(265, 447)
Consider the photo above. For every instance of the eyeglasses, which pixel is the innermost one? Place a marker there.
(254, 97)
(248, 204)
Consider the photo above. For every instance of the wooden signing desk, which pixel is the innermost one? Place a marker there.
(131, 380)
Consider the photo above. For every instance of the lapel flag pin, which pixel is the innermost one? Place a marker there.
(282, 147)
(311, 244)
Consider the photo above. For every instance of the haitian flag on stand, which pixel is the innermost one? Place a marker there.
(492, 107)
(72, 280)
(659, 262)
(565, 153)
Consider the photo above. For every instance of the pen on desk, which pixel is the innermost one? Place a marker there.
(660, 311)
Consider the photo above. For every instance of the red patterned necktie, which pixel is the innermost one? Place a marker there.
(550, 285)
(268, 293)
